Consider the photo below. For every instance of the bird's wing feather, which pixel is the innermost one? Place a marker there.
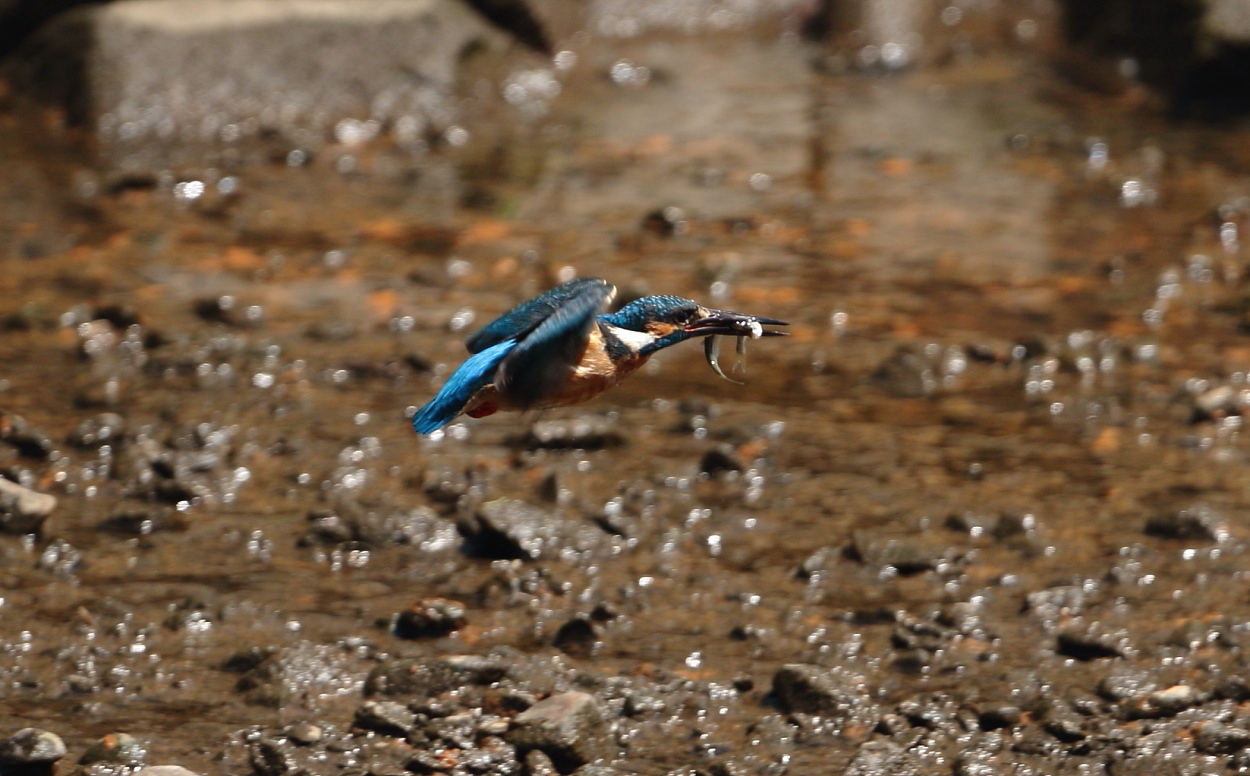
(472, 375)
(537, 368)
(518, 322)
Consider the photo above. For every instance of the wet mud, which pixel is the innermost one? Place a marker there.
(983, 512)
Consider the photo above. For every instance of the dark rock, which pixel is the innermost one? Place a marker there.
(1093, 642)
(833, 692)
(271, 758)
(385, 717)
(22, 510)
(1215, 738)
(1199, 523)
(883, 758)
(998, 717)
(588, 432)
(103, 429)
(247, 659)
(576, 638)
(430, 677)
(568, 727)
(31, 746)
(429, 618)
(26, 439)
(325, 528)
(1063, 723)
(455, 730)
(511, 529)
(537, 763)
(722, 458)
(118, 748)
(1232, 688)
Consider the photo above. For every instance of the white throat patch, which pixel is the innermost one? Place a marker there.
(636, 340)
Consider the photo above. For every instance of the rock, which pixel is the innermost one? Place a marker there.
(431, 677)
(1063, 723)
(117, 748)
(576, 638)
(22, 510)
(1233, 688)
(165, 770)
(1215, 738)
(906, 375)
(722, 458)
(271, 758)
(26, 439)
(298, 70)
(998, 717)
(305, 733)
(507, 529)
(1161, 703)
(385, 717)
(834, 692)
(568, 727)
(908, 554)
(588, 432)
(31, 746)
(1125, 683)
(537, 763)
(429, 618)
(1198, 523)
(1093, 642)
(882, 758)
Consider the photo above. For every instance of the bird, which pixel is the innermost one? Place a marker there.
(563, 348)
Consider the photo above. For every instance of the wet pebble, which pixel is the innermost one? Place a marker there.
(576, 638)
(1215, 738)
(1198, 523)
(1161, 703)
(882, 758)
(537, 763)
(269, 757)
(118, 748)
(429, 618)
(1063, 723)
(22, 510)
(512, 529)
(999, 717)
(568, 727)
(722, 458)
(588, 432)
(906, 554)
(30, 747)
(431, 677)
(305, 733)
(834, 692)
(385, 717)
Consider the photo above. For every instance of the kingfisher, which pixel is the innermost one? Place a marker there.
(563, 348)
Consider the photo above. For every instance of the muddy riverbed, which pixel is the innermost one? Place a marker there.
(985, 511)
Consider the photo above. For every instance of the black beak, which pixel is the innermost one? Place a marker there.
(735, 325)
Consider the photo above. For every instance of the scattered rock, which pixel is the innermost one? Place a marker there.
(103, 429)
(22, 510)
(1215, 738)
(29, 441)
(1198, 523)
(722, 458)
(165, 770)
(576, 638)
(998, 717)
(31, 746)
(1093, 642)
(385, 717)
(1056, 603)
(510, 529)
(905, 554)
(1161, 703)
(269, 757)
(568, 727)
(305, 733)
(883, 758)
(1063, 723)
(429, 618)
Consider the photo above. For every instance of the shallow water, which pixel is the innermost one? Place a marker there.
(1017, 336)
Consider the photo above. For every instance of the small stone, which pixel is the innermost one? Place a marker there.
(722, 458)
(1233, 688)
(271, 758)
(576, 638)
(1064, 724)
(882, 758)
(1093, 642)
(835, 692)
(1198, 523)
(1214, 738)
(103, 429)
(118, 748)
(432, 677)
(31, 746)
(1174, 699)
(165, 770)
(507, 529)
(908, 554)
(305, 733)
(385, 717)
(998, 717)
(537, 763)
(429, 618)
(25, 438)
(1125, 683)
(568, 727)
(22, 510)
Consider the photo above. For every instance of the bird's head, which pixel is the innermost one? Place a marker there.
(667, 320)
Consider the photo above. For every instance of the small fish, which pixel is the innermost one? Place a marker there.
(711, 348)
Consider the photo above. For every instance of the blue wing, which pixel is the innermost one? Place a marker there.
(537, 368)
(528, 316)
(472, 375)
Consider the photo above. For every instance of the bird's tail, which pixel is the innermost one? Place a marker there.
(472, 375)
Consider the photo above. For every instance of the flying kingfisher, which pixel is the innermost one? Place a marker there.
(562, 348)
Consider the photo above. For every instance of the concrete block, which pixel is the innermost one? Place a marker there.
(160, 80)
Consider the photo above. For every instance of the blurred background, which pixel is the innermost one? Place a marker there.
(984, 511)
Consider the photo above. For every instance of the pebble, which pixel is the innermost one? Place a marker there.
(576, 638)
(431, 677)
(26, 439)
(165, 770)
(31, 746)
(1198, 523)
(1215, 738)
(835, 692)
(305, 733)
(1125, 683)
(386, 717)
(22, 510)
(998, 717)
(429, 618)
(103, 429)
(906, 554)
(722, 458)
(119, 748)
(568, 727)
(1093, 642)
(507, 529)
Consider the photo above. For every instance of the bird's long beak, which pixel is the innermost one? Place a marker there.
(733, 324)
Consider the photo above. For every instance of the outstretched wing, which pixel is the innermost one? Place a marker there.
(528, 316)
(474, 374)
(537, 368)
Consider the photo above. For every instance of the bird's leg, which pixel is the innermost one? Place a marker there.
(711, 349)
